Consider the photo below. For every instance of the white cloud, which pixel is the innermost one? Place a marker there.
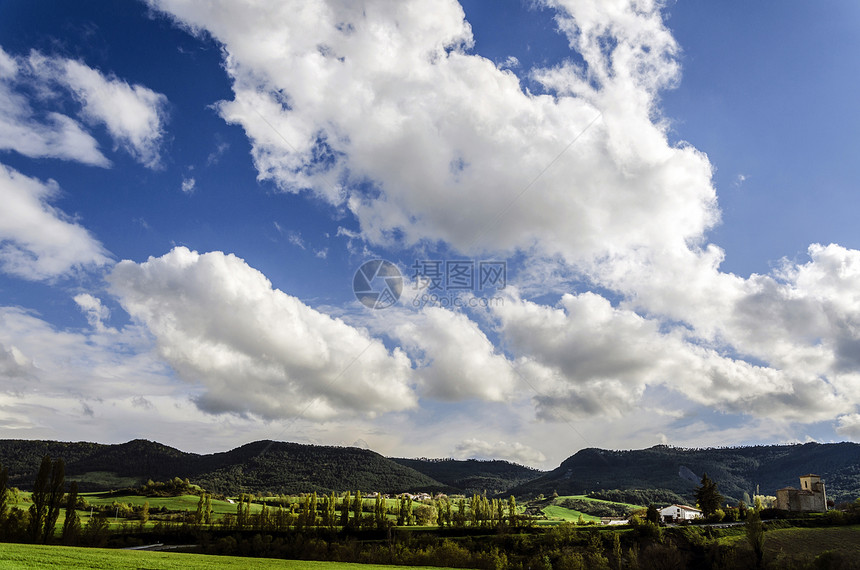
(188, 185)
(256, 350)
(586, 358)
(38, 241)
(332, 94)
(133, 115)
(455, 360)
(55, 136)
(849, 426)
(92, 307)
(515, 451)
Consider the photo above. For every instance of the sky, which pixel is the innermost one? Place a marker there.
(433, 229)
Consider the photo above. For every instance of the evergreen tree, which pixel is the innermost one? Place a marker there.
(144, 513)
(410, 513)
(708, 497)
(512, 511)
(652, 514)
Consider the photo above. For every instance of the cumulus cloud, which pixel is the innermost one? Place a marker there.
(338, 98)
(133, 115)
(38, 241)
(454, 358)
(586, 357)
(849, 426)
(514, 451)
(254, 349)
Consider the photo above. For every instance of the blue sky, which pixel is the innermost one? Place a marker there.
(190, 189)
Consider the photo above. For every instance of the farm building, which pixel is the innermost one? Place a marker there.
(675, 513)
(810, 498)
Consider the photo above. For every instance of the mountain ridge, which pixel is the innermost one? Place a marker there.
(289, 468)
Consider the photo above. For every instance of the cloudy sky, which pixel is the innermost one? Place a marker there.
(616, 224)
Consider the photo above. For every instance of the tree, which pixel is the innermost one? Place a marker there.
(356, 510)
(755, 536)
(40, 500)
(512, 511)
(198, 516)
(652, 514)
(708, 497)
(344, 510)
(72, 524)
(207, 509)
(4, 480)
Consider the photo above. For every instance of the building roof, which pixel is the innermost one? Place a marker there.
(685, 507)
(811, 475)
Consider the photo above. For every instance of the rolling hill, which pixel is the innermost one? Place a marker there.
(280, 467)
(735, 469)
(474, 476)
(273, 467)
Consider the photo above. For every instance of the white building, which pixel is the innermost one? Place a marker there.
(675, 513)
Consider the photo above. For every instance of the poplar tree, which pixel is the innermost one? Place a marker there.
(40, 500)
(344, 509)
(72, 524)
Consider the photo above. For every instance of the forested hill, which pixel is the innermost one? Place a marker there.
(474, 476)
(735, 469)
(278, 467)
(262, 466)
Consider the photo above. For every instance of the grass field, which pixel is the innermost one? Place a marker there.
(25, 556)
(556, 512)
(593, 500)
(813, 541)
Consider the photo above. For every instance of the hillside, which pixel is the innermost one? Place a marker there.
(736, 470)
(279, 467)
(474, 476)
(273, 467)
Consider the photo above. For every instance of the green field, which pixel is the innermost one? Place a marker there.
(557, 512)
(180, 503)
(593, 500)
(813, 541)
(567, 515)
(32, 556)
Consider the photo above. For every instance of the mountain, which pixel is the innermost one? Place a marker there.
(735, 469)
(279, 467)
(474, 476)
(269, 466)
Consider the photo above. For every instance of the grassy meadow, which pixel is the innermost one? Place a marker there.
(27, 556)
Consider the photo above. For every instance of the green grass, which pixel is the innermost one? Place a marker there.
(813, 541)
(179, 503)
(593, 500)
(25, 556)
(556, 512)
